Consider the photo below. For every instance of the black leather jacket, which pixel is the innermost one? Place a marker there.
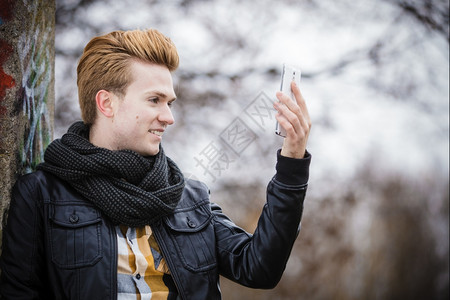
(57, 245)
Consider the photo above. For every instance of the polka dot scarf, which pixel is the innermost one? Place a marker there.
(130, 189)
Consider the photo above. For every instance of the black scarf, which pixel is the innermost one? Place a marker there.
(130, 189)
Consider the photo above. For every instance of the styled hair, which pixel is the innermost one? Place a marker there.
(105, 63)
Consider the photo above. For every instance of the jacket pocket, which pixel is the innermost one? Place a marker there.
(193, 237)
(74, 235)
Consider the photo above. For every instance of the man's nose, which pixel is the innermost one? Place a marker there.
(166, 115)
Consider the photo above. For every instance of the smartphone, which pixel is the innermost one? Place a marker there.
(288, 74)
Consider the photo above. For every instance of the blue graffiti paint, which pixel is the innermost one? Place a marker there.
(37, 71)
(1, 21)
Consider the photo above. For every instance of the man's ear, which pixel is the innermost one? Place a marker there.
(105, 103)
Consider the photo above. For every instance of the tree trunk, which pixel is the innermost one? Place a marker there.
(27, 56)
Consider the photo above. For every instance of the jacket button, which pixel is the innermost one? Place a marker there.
(73, 218)
(191, 224)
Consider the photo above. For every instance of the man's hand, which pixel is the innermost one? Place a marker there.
(293, 116)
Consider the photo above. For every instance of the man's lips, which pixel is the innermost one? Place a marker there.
(158, 132)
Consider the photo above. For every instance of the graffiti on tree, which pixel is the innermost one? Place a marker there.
(33, 50)
(6, 81)
(35, 61)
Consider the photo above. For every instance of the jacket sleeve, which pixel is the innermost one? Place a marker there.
(259, 260)
(22, 261)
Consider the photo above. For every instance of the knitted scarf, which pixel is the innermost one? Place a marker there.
(130, 189)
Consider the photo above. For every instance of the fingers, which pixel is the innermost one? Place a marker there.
(288, 119)
(294, 112)
(293, 116)
(300, 100)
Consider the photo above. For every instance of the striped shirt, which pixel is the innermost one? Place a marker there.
(142, 271)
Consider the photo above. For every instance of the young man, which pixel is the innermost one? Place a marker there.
(109, 216)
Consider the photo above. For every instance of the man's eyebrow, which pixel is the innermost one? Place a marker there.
(162, 95)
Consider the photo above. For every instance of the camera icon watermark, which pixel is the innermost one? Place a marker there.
(238, 136)
(261, 111)
(219, 155)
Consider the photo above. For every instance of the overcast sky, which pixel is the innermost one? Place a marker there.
(394, 114)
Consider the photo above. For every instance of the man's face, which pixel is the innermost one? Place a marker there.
(143, 114)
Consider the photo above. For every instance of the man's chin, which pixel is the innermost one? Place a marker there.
(149, 152)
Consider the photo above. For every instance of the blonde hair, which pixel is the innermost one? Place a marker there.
(106, 59)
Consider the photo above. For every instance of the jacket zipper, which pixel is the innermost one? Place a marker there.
(169, 262)
(114, 263)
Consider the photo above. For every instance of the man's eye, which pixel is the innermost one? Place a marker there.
(170, 103)
(154, 100)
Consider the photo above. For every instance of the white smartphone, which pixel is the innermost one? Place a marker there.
(288, 75)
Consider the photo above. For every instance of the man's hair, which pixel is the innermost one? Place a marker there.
(105, 63)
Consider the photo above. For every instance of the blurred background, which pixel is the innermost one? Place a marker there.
(375, 74)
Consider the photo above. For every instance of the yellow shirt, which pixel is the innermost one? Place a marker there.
(142, 271)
